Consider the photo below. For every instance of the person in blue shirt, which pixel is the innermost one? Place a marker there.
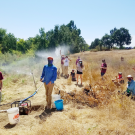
(49, 75)
(130, 86)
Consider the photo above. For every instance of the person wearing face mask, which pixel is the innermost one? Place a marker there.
(49, 75)
(79, 70)
(130, 86)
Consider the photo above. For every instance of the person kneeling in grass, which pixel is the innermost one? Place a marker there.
(130, 86)
(119, 78)
(1, 84)
(79, 70)
(73, 75)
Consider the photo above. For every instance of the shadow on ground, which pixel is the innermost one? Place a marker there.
(9, 126)
(46, 113)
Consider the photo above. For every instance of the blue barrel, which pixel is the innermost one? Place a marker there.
(59, 104)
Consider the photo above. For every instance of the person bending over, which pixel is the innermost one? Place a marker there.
(119, 78)
(73, 75)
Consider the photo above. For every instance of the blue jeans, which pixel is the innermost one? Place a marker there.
(102, 73)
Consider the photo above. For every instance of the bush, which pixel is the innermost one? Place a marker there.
(93, 50)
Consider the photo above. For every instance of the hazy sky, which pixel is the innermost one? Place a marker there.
(24, 18)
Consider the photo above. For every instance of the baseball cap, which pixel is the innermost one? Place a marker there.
(50, 57)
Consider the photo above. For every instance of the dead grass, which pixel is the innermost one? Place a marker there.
(110, 113)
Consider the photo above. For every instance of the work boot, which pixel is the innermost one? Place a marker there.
(48, 111)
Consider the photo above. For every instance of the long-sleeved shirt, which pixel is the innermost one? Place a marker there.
(131, 87)
(49, 74)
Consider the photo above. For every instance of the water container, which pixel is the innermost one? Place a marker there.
(54, 98)
(13, 115)
(59, 104)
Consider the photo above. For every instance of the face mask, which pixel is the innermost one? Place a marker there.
(50, 62)
(129, 79)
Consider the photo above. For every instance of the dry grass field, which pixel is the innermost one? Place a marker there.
(106, 112)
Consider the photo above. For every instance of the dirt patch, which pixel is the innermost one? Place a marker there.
(37, 108)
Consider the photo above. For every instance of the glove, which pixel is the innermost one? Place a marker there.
(128, 91)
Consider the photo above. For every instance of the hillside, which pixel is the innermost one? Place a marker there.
(112, 114)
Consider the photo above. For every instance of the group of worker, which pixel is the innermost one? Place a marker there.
(79, 67)
(49, 75)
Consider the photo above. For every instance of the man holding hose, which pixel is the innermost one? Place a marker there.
(49, 75)
(1, 83)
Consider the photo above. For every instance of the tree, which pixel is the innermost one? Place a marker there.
(95, 43)
(121, 37)
(106, 41)
(11, 42)
(112, 31)
(2, 34)
(21, 46)
(67, 35)
(40, 40)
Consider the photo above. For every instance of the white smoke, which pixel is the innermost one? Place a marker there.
(25, 66)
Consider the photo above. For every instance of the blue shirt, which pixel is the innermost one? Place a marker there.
(131, 87)
(49, 74)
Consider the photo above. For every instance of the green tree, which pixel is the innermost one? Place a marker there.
(21, 46)
(40, 40)
(95, 43)
(121, 37)
(106, 41)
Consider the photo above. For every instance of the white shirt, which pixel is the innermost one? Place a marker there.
(66, 62)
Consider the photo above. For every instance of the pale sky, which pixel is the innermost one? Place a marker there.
(24, 18)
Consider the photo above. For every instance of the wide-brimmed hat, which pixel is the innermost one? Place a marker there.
(80, 60)
(129, 76)
(120, 73)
